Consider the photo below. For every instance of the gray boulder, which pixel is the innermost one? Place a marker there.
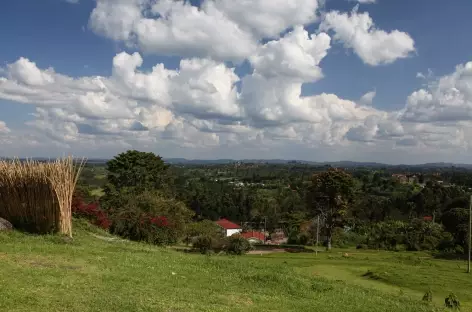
(5, 225)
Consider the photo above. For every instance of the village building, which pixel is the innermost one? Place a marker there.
(229, 228)
(254, 237)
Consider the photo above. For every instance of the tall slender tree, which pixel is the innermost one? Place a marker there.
(330, 194)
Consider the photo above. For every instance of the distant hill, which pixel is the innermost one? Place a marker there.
(341, 164)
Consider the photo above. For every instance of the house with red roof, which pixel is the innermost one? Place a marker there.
(229, 228)
(254, 237)
(427, 218)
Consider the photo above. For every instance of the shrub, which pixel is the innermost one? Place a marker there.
(362, 246)
(447, 242)
(303, 239)
(149, 217)
(421, 235)
(428, 296)
(447, 247)
(203, 244)
(459, 250)
(145, 227)
(206, 244)
(344, 239)
(452, 302)
(238, 245)
(235, 245)
(202, 228)
(386, 235)
(293, 237)
(92, 212)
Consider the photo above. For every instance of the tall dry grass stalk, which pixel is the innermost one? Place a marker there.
(37, 196)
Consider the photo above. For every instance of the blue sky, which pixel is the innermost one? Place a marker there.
(64, 36)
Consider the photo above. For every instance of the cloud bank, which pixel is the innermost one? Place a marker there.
(203, 108)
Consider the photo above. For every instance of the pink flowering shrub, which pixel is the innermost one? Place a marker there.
(92, 212)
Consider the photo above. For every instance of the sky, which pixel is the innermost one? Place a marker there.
(321, 80)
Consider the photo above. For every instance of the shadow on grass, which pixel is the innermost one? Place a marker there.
(449, 256)
(186, 250)
(266, 249)
(285, 248)
(372, 275)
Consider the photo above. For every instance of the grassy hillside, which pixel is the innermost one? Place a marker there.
(96, 272)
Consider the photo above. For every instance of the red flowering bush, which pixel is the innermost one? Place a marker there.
(149, 217)
(143, 226)
(160, 221)
(92, 212)
(146, 216)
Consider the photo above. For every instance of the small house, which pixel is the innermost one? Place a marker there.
(402, 178)
(254, 237)
(229, 228)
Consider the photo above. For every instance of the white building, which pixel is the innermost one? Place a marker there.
(229, 227)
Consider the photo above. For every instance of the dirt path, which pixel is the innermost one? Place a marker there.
(108, 239)
(264, 252)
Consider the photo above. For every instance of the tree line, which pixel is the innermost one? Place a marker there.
(365, 207)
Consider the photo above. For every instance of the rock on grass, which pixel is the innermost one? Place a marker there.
(5, 225)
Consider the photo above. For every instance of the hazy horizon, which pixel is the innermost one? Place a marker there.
(209, 160)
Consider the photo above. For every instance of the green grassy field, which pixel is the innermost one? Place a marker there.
(96, 272)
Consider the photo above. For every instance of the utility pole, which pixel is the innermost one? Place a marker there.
(317, 233)
(265, 227)
(470, 232)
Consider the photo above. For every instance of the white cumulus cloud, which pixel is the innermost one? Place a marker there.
(268, 18)
(200, 98)
(222, 30)
(448, 99)
(297, 55)
(374, 46)
(368, 98)
(3, 128)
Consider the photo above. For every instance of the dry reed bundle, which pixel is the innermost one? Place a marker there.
(37, 196)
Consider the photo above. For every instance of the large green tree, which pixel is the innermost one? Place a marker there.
(330, 194)
(456, 222)
(137, 171)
